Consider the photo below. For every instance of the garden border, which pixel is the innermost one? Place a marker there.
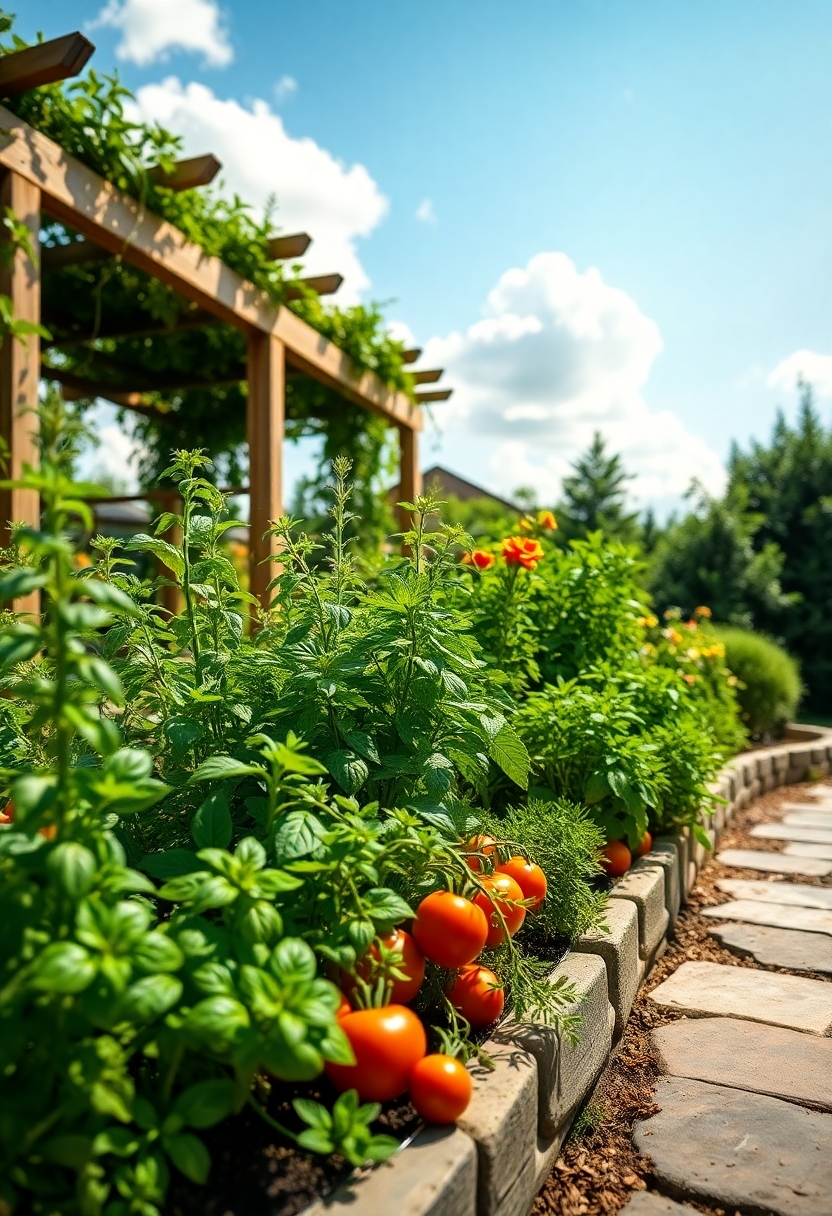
(496, 1159)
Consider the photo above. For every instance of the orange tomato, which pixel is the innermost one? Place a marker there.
(412, 965)
(7, 814)
(344, 1007)
(645, 846)
(616, 858)
(440, 1088)
(478, 995)
(506, 896)
(387, 1044)
(485, 845)
(449, 929)
(529, 877)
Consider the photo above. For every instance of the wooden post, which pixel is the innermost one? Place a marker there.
(20, 367)
(172, 598)
(266, 413)
(410, 475)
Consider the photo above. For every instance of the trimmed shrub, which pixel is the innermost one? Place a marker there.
(770, 687)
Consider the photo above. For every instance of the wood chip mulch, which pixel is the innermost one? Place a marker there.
(599, 1167)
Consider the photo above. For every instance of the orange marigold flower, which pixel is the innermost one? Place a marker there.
(82, 560)
(522, 551)
(689, 679)
(691, 625)
(480, 559)
(702, 610)
(546, 519)
(673, 636)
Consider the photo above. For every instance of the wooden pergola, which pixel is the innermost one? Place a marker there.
(38, 178)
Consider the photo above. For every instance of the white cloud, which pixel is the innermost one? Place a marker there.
(152, 28)
(316, 193)
(285, 87)
(558, 355)
(425, 212)
(804, 365)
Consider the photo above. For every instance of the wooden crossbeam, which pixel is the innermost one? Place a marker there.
(427, 377)
(187, 174)
(321, 284)
(54, 258)
(98, 210)
(139, 381)
(294, 246)
(65, 332)
(441, 394)
(44, 63)
(77, 388)
(410, 356)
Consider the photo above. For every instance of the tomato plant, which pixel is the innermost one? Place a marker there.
(396, 959)
(501, 901)
(450, 929)
(529, 877)
(478, 995)
(440, 1088)
(386, 1043)
(478, 848)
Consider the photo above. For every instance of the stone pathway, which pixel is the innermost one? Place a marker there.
(745, 1092)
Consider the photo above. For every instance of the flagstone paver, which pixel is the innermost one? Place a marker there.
(780, 916)
(740, 1150)
(808, 808)
(808, 819)
(777, 947)
(796, 893)
(781, 831)
(758, 996)
(778, 863)
(651, 1203)
(746, 1055)
(817, 852)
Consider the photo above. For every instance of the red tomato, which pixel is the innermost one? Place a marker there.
(616, 858)
(645, 846)
(440, 1088)
(478, 995)
(344, 1007)
(412, 965)
(450, 929)
(7, 814)
(507, 896)
(486, 845)
(530, 879)
(387, 1044)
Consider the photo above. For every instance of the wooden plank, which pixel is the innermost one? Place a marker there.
(19, 367)
(410, 475)
(78, 388)
(321, 284)
(135, 380)
(66, 332)
(410, 356)
(428, 376)
(293, 246)
(441, 394)
(187, 174)
(54, 258)
(44, 63)
(310, 352)
(80, 198)
(266, 413)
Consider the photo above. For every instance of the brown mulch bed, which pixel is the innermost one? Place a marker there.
(599, 1167)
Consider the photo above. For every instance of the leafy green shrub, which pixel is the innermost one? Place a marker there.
(770, 687)
(564, 841)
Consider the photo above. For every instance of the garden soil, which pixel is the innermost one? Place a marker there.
(599, 1167)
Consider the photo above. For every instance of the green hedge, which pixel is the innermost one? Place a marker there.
(769, 677)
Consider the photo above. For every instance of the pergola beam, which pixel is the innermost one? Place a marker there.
(410, 356)
(427, 377)
(293, 246)
(79, 388)
(321, 284)
(80, 198)
(147, 327)
(441, 394)
(44, 63)
(54, 258)
(187, 174)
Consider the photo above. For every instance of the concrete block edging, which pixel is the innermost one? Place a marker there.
(494, 1162)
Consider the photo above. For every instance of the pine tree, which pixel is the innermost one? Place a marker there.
(595, 496)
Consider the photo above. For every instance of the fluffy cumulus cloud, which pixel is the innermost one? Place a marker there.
(315, 192)
(807, 366)
(557, 355)
(150, 29)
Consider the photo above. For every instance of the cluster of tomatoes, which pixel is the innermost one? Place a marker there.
(616, 857)
(389, 1043)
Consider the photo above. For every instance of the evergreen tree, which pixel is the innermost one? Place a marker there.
(595, 496)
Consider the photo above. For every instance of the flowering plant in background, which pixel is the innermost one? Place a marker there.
(479, 558)
(522, 551)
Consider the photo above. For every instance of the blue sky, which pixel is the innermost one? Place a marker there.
(625, 206)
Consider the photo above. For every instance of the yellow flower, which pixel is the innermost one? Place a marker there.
(82, 560)
(703, 610)
(546, 519)
(648, 622)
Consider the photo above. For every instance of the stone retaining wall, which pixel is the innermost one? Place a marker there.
(497, 1158)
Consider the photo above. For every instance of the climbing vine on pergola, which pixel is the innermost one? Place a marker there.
(178, 305)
